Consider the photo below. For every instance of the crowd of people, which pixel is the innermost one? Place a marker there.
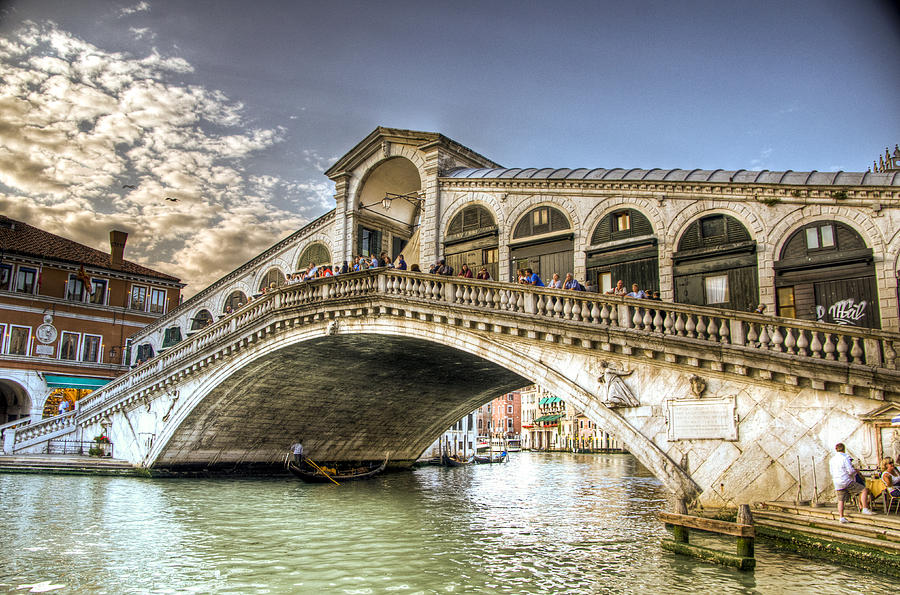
(525, 276)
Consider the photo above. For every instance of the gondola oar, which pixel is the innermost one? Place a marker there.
(320, 470)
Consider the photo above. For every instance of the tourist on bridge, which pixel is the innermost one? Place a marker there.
(555, 282)
(297, 449)
(843, 474)
(532, 278)
(465, 271)
(637, 292)
(572, 283)
(400, 265)
(483, 274)
(619, 289)
(63, 406)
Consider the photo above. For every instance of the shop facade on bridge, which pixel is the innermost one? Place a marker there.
(813, 245)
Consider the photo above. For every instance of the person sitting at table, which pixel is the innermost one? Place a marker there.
(890, 477)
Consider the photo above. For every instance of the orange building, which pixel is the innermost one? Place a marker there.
(66, 312)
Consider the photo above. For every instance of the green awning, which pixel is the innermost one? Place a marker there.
(548, 418)
(549, 400)
(82, 382)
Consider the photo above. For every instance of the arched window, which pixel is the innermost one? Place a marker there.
(471, 219)
(544, 256)
(235, 300)
(274, 276)
(621, 224)
(715, 264)
(316, 253)
(540, 221)
(472, 239)
(826, 273)
(201, 319)
(623, 249)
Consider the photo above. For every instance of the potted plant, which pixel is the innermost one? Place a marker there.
(102, 446)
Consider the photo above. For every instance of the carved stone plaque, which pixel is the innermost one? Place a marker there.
(702, 419)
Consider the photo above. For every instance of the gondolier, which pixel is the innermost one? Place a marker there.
(297, 449)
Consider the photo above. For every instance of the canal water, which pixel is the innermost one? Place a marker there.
(544, 523)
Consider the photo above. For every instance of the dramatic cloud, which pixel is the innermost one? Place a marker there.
(78, 123)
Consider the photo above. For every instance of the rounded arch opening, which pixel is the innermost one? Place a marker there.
(316, 254)
(235, 300)
(715, 264)
(542, 241)
(825, 272)
(201, 319)
(15, 402)
(388, 207)
(624, 248)
(472, 239)
(273, 279)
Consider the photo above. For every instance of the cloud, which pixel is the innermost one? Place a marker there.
(139, 7)
(78, 122)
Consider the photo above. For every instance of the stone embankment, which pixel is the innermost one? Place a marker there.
(868, 541)
(67, 465)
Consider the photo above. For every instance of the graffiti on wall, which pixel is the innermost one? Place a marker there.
(843, 312)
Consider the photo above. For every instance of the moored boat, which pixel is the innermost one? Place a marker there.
(310, 472)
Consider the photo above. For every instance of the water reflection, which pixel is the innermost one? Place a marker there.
(542, 523)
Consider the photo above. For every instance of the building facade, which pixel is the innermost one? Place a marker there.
(66, 314)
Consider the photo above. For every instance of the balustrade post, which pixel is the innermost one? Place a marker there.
(9, 440)
(530, 300)
(873, 352)
(736, 332)
(624, 316)
(449, 294)
(382, 283)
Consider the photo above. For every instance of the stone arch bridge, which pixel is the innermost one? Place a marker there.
(718, 404)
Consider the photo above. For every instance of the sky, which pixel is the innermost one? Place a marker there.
(237, 108)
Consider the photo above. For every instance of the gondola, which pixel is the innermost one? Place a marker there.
(448, 461)
(311, 473)
(494, 457)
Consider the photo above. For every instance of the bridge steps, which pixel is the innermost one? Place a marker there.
(868, 541)
(66, 465)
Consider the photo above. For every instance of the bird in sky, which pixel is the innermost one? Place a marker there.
(172, 199)
(129, 186)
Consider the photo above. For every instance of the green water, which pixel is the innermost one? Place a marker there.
(544, 523)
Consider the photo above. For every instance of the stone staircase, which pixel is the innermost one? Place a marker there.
(66, 465)
(868, 541)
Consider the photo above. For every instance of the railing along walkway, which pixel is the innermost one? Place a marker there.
(767, 335)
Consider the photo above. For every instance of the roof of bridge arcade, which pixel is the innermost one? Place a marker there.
(372, 143)
(17, 237)
(741, 176)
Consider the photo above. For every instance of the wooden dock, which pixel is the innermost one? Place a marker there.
(867, 541)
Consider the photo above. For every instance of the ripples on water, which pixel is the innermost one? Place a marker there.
(544, 523)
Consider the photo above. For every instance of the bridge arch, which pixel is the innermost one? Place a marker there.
(220, 404)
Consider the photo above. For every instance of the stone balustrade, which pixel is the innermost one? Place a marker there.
(51, 426)
(733, 342)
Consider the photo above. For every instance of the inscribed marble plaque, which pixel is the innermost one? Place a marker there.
(702, 419)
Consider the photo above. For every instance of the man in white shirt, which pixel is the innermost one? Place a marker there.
(843, 474)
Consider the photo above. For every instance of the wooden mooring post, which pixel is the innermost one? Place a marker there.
(680, 523)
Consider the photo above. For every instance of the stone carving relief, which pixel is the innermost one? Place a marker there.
(334, 327)
(613, 389)
(698, 386)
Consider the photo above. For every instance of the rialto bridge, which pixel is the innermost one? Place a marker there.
(717, 402)
(720, 405)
